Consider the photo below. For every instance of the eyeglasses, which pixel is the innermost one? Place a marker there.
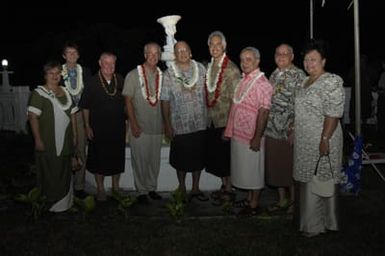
(310, 60)
(181, 50)
(53, 73)
(283, 54)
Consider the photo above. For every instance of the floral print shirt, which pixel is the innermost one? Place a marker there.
(187, 105)
(281, 114)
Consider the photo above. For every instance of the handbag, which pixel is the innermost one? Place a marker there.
(322, 188)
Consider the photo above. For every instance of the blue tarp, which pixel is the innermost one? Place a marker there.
(351, 173)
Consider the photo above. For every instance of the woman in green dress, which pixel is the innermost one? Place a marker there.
(51, 116)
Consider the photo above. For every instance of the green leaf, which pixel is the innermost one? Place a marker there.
(34, 194)
(22, 198)
(89, 204)
(78, 202)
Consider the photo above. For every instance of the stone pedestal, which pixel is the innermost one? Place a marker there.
(169, 24)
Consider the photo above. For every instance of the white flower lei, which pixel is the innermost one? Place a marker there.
(186, 83)
(52, 95)
(142, 80)
(212, 86)
(249, 85)
(79, 79)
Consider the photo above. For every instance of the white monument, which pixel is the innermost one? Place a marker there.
(169, 24)
(13, 103)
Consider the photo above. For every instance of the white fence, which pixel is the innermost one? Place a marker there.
(13, 108)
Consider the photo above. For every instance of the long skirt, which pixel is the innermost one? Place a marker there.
(218, 153)
(54, 180)
(279, 162)
(316, 214)
(247, 166)
(188, 151)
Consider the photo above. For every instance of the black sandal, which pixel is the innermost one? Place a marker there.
(248, 211)
(218, 193)
(290, 209)
(227, 196)
(198, 195)
(277, 207)
(241, 203)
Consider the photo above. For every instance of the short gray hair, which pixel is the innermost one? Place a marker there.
(252, 49)
(148, 45)
(106, 55)
(288, 46)
(219, 34)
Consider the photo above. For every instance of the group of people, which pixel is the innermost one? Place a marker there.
(62, 133)
(242, 127)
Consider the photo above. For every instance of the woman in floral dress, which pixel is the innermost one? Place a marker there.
(319, 104)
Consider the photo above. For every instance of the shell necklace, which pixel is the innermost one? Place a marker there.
(105, 87)
(144, 85)
(188, 84)
(79, 79)
(216, 86)
(240, 96)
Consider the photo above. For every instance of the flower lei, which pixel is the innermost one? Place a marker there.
(52, 95)
(238, 100)
(186, 83)
(216, 86)
(144, 85)
(79, 79)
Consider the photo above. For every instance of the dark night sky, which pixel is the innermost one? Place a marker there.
(33, 35)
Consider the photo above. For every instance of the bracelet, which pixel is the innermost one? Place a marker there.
(325, 138)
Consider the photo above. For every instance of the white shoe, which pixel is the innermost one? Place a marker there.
(310, 234)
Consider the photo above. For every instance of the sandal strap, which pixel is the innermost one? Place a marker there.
(216, 194)
(241, 203)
